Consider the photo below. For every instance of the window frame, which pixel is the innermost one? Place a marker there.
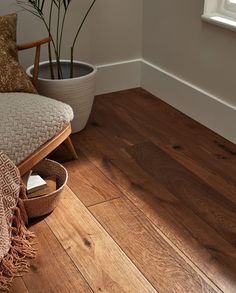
(221, 13)
(230, 6)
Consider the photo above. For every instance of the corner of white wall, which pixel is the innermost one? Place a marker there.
(200, 105)
(118, 76)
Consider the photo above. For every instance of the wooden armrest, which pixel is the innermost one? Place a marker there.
(21, 47)
(36, 44)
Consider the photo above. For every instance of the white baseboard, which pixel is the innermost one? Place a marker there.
(118, 76)
(198, 104)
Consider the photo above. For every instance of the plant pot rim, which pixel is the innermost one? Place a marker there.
(29, 69)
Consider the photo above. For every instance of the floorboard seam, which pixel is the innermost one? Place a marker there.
(69, 257)
(112, 240)
(88, 206)
(22, 278)
(180, 252)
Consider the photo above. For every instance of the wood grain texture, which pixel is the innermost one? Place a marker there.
(69, 145)
(193, 236)
(157, 133)
(30, 45)
(204, 201)
(162, 187)
(18, 286)
(103, 264)
(106, 117)
(89, 183)
(205, 153)
(210, 245)
(52, 270)
(155, 258)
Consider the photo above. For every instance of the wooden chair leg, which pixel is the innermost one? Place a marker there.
(69, 145)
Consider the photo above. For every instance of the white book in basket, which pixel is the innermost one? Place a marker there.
(34, 183)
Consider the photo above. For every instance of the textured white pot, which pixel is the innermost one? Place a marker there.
(78, 92)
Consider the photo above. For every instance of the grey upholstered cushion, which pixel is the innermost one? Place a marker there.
(27, 121)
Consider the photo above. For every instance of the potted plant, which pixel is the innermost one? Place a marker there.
(69, 81)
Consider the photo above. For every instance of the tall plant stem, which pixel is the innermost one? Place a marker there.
(49, 45)
(71, 62)
(50, 15)
(50, 60)
(54, 45)
(57, 39)
(76, 36)
(62, 27)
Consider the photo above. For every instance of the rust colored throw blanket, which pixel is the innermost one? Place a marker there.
(15, 240)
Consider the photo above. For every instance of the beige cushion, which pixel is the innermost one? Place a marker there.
(28, 121)
(12, 76)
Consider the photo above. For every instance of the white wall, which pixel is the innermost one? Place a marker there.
(117, 31)
(190, 64)
(176, 40)
(113, 31)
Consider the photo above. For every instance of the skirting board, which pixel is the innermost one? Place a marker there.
(184, 96)
(202, 106)
(118, 76)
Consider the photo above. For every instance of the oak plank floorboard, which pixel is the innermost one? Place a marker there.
(209, 146)
(182, 150)
(154, 257)
(52, 270)
(209, 157)
(122, 132)
(103, 264)
(89, 183)
(18, 286)
(206, 202)
(193, 236)
(156, 112)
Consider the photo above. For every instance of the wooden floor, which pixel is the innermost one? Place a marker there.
(150, 206)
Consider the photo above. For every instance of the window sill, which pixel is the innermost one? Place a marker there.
(220, 20)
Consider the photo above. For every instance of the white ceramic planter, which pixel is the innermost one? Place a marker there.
(78, 92)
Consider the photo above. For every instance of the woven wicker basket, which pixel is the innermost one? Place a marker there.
(40, 206)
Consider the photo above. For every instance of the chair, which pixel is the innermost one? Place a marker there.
(36, 144)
